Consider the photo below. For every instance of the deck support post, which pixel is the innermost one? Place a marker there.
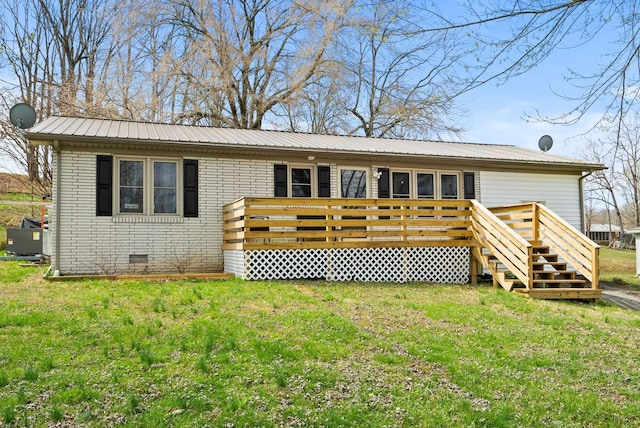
(473, 271)
(535, 222)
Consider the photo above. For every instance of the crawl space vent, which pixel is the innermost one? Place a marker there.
(138, 258)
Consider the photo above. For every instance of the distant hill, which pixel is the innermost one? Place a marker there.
(14, 183)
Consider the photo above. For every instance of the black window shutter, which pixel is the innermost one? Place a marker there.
(469, 185)
(280, 181)
(104, 185)
(384, 187)
(324, 181)
(190, 184)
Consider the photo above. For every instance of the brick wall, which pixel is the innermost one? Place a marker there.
(104, 245)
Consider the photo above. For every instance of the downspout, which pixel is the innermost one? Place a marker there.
(57, 180)
(581, 191)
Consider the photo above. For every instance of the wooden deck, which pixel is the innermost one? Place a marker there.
(526, 247)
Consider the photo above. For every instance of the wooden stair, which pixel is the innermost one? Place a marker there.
(548, 272)
(551, 279)
(522, 246)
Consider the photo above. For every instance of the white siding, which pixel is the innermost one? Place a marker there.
(560, 193)
(102, 245)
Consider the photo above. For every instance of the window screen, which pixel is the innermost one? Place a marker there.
(301, 182)
(131, 186)
(165, 187)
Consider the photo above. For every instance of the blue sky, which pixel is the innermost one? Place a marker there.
(496, 113)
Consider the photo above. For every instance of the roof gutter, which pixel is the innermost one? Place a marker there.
(581, 195)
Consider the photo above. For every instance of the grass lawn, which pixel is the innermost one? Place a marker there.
(233, 353)
(618, 267)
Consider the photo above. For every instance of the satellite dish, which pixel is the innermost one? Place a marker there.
(22, 116)
(545, 143)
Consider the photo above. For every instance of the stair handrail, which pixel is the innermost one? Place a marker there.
(574, 247)
(511, 249)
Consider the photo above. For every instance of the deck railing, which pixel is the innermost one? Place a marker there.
(315, 223)
(504, 243)
(291, 223)
(577, 249)
(535, 222)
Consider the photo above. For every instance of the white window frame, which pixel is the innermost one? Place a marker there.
(313, 177)
(148, 185)
(412, 180)
(435, 183)
(459, 190)
(437, 174)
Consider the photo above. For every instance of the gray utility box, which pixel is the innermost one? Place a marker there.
(24, 242)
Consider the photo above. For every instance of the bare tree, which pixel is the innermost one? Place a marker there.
(508, 38)
(373, 68)
(628, 159)
(319, 109)
(26, 49)
(259, 53)
(22, 156)
(79, 29)
(381, 81)
(51, 47)
(138, 77)
(399, 83)
(619, 186)
(604, 186)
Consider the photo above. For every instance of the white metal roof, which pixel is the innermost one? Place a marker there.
(604, 228)
(93, 130)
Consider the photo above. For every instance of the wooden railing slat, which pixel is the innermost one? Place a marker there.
(326, 221)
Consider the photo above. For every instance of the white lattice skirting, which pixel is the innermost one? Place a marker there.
(445, 265)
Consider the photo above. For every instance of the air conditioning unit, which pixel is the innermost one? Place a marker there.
(24, 242)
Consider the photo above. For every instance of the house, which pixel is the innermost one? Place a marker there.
(134, 197)
(603, 233)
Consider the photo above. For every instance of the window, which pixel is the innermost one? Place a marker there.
(301, 182)
(424, 184)
(353, 183)
(400, 185)
(131, 186)
(426, 189)
(147, 186)
(449, 186)
(165, 187)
